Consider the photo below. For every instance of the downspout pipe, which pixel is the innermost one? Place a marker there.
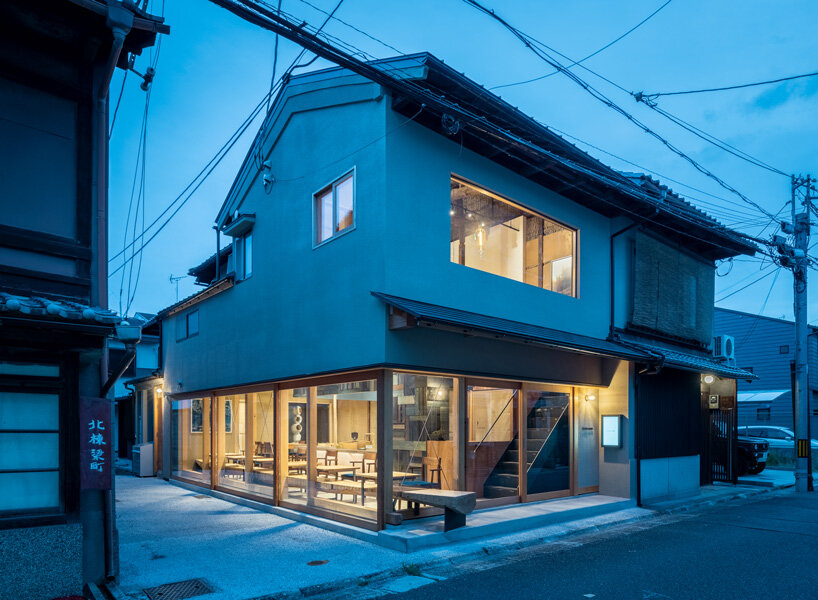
(120, 19)
(123, 365)
(218, 251)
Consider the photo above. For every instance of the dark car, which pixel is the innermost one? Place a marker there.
(752, 455)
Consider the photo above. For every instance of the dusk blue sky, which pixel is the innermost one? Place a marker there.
(213, 69)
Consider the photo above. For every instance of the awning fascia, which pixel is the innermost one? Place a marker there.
(422, 314)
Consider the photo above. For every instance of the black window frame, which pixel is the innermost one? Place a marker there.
(186, 329)
(65, 386)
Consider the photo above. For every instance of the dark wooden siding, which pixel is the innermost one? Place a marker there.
(672, 291)
(668, 414)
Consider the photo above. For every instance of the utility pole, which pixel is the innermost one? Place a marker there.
(795, 257)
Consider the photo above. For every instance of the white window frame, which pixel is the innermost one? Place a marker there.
(315, 214)
(240, 244)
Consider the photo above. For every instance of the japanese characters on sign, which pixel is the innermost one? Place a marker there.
(95, 442)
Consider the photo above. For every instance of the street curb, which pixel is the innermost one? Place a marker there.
(499, 549)
(742, 494)
(494, 550)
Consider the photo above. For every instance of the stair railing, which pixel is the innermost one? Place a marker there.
(500, 414)
(548, 437)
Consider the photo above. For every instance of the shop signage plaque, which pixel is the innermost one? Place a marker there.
(611, 431)
(95, 444)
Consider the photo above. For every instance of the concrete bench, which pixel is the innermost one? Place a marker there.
(455, 505)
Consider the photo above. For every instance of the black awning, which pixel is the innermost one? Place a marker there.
(461, 321)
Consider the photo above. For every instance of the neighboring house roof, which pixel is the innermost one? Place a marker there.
(690, 360)
(205, 272)
(184, 303)
(747, 315)
(51, 308)
(443, 317)
(766, 396)
(433, 94)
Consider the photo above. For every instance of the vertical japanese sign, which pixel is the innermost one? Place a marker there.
(95, 444)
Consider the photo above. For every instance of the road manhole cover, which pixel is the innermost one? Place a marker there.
(179, 590)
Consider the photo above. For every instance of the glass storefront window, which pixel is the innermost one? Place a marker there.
(424, 446)
(492, 447)
(260, 475)
(190, 439)
(494, 235)
(343, 448)
(293, 424)
(329, 435)
(231, 440)
(548, 440)
(245, 428)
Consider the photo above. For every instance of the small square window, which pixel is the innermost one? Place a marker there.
(187, 325)
(193, 323)
(334, 208)
(763, 413)
(784, 349)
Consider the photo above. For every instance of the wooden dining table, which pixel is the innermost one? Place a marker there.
(336, 469)
(396, 475)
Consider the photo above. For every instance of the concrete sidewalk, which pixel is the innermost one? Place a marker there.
(169, 534)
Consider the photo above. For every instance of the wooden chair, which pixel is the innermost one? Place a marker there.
(266, 449)
(331, 457)
(432, 466)
(367, 460)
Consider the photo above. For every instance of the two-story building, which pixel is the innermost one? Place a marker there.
(57, 58)
(766, 346)
(413, 296)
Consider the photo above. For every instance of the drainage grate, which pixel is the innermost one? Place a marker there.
(179, 590)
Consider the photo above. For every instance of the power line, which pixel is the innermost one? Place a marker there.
(591, 55)
(663, 176)
(198, 180)
(730, 87)
(719, 143)
(761, 311)
(256, 13)
(532, 44)
(767, 274)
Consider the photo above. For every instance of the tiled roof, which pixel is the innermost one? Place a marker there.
(693, 361)
(64, 309)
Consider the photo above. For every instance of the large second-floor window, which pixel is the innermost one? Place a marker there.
(494, 235)
(334, 208)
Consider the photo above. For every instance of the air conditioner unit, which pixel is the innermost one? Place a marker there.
(724, 348)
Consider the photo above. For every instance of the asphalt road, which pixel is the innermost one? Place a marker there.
(765, 549)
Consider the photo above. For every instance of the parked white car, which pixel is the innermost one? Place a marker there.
(777, 437)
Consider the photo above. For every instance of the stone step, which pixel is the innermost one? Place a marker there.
(503, 479)
(496, 491)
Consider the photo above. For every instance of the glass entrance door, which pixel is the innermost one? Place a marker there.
(547, 441)
(493, 443)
